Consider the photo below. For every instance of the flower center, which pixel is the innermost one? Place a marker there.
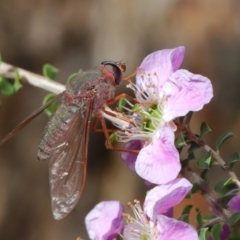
(138, 227)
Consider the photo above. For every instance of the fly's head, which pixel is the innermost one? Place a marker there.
(113, 71)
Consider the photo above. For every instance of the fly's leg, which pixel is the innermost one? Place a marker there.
(122, 95)
(95, 129)
(130, 76)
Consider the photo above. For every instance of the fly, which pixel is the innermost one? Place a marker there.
(65, 140)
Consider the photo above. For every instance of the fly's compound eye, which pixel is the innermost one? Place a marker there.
(115, 70)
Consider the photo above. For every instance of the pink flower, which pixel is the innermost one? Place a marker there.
(104, 222)
(234, 203)
(149, 223)
(164, 93)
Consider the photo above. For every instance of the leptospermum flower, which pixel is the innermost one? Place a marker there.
(150, 222)
(164, 93)
(105, 221)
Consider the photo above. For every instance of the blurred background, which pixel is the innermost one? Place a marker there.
(77, 34)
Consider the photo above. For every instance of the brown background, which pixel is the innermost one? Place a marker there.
(80, 34)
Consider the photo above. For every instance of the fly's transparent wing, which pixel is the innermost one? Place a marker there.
(67, 166)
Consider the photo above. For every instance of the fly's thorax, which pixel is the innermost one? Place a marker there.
(83, 81)
(89, 85)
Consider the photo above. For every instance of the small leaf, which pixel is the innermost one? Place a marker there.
(235, 218)
(199, 218)
(71, 77)
(216, 231)
(203, 174)
(203, 234)
(235, 235)
(193, 147)
(227, 198)
(204, 129)
(121, 104)
(6, 88)
(205, 161)
(17, 84)
(208, 217)
(185, 213)
(223, 138)
(195, 188)
(180, 141)
(221, 187)
(187, 209)
(235, 157)
(52, 108)
(50, 71)
(185, 163)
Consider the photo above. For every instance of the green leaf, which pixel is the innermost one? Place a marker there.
(185, 162)
(235, 235)
(223, 138)
(180, 141)
(193, 147)
(70, 78)
(235, 157)
(221, 187)
(121, 104)
(204, 129)
(203, 234)
(235, 218)
(49, 71)
(208, 217)
(195, 188)
(199, 218)
(205, 161)
(185, 213)
(227, 198)
(216, 231)
(52, 108)
(6, 88)
(203, 174)
(17, 84)
(0, 58)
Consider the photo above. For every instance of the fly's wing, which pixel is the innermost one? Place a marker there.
(67, 167)
(30, 118)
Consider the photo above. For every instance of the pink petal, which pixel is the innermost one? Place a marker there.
(159, 161)
(163, 197)
(171, 229)
(104, 221)
(130, 158)
(161, 63)
(185, 92)
(234, 203)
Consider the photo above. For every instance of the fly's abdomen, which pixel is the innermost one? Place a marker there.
(55, 130)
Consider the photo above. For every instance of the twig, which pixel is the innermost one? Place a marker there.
(7, 70)
(212, 198)
(222, 164)
(215, 154)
